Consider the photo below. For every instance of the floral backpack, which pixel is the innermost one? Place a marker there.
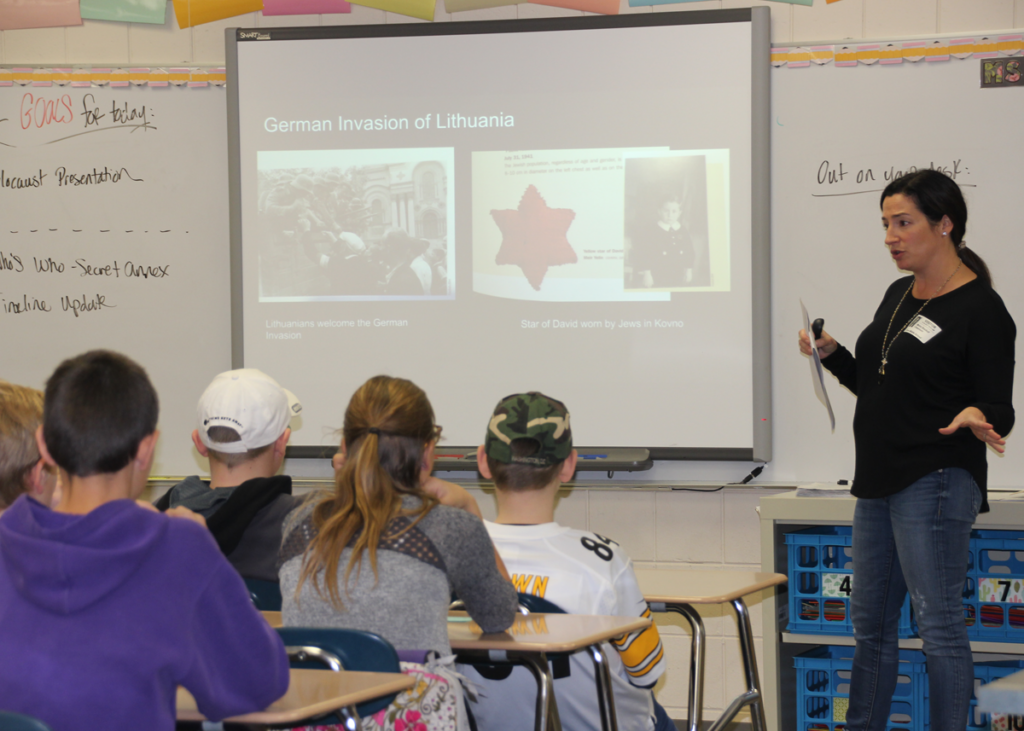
(434, 703)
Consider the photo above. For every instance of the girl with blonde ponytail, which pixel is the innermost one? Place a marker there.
(380, 552)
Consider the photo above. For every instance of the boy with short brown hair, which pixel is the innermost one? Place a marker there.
(528, 453)
(107, 606)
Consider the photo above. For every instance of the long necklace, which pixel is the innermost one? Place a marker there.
(886, 349)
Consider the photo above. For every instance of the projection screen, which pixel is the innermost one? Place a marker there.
(577, 206)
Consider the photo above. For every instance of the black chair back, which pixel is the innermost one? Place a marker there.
(337, 649)
(539, 604)
(266, 595)
(559, 663)
(17, 722)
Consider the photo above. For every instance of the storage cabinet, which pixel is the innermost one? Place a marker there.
(785, 513)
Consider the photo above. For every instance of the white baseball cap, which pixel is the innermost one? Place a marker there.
(250, 402)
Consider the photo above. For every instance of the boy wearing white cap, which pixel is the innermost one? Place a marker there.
(243, 429)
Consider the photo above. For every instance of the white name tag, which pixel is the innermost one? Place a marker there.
(922, 328)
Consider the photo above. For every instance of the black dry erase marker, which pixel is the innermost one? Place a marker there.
(817, 326)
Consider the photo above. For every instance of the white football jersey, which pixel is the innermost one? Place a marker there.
(583, 573)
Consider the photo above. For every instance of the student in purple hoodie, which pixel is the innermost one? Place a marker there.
(105, 606)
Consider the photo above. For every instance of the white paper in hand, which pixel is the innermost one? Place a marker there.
(817, 372)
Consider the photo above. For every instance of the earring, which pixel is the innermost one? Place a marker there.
(943, 233)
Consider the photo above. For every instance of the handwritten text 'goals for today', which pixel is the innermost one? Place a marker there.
(599, 324)
(451, 120)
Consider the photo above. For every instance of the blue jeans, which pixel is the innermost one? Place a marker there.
(661, 720)
(917, 539)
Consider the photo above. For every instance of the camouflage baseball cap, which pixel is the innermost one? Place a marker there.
(529, 416)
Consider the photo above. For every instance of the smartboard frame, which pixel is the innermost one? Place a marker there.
(760, 425)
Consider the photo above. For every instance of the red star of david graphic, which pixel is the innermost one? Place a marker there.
(533, 236)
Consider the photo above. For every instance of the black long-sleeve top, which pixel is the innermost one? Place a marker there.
(968, 362)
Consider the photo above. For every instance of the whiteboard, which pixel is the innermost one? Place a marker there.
(115, 235)
(826, 249)
(830, 126)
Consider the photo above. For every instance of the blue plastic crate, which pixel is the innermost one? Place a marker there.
(823, 690)
(986, 672)
(994, 592)
(820, 580)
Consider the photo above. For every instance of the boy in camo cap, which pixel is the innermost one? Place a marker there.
(542, 421)
(528, 452)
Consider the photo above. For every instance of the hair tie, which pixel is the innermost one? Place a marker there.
(374, 430)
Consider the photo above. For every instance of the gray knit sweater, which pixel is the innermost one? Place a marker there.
(447, 552)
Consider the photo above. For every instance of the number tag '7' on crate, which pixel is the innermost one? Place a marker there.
(1009, 590)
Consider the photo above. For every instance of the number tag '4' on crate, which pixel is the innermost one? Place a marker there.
(836, 585)
(820, 565)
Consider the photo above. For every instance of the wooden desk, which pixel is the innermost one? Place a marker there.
(1005, 695)
(311, 693)
(672, 590)
(529, 640)
(543, 633)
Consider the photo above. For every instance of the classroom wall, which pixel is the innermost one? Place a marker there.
(103, 43)
(658, 527)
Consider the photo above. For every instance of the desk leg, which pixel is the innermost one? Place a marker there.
(349, 717)
(696, 699)
(547, 709)
(605, 692)
(749, 663)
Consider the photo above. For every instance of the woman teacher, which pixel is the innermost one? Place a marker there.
(933, 375)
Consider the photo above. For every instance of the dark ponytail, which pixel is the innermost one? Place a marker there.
(977, 264)
(936, 195)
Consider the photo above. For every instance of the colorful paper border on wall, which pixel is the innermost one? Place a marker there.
(890, 53)
(88, 77)
(791, 57)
